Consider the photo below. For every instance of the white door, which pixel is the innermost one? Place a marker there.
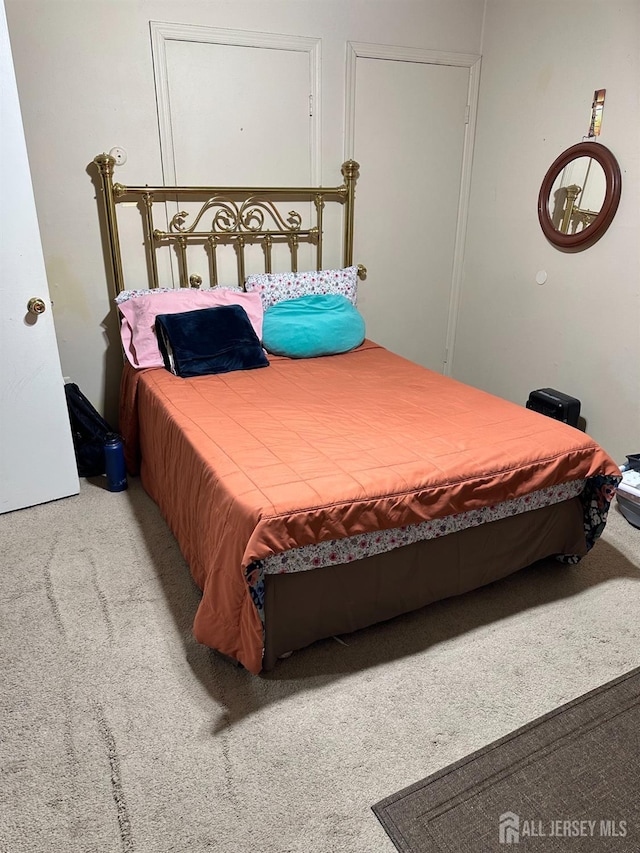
(239, 115)
(410, 124)
(238, 108)
(37, 461)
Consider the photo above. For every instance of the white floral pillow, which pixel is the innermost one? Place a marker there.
(276, 287)
(125, 295)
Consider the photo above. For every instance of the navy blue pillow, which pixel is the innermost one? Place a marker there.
(310, 326)
(209, 340)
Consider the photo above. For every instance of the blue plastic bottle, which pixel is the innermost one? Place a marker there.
(114, 463)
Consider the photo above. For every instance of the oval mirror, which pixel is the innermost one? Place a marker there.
(579, 196)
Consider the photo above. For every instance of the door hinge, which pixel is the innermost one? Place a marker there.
(467, 113)
(310, 105)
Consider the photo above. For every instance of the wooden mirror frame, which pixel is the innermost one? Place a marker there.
(587, 236)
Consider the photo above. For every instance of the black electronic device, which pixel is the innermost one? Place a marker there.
(555, 405)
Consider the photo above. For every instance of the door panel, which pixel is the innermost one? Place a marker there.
(410, 125)
(37, 461)
(238, 113)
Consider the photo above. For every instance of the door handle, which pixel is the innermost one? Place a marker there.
(36, 306)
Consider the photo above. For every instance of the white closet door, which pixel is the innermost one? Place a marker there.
(238, 108)
(239, 115)
(37, 462)
(410, 125)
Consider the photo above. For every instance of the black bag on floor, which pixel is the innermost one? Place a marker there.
(89, 430)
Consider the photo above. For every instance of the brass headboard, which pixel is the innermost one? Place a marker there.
(239, 216)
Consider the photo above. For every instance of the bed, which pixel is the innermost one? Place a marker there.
(319, 495)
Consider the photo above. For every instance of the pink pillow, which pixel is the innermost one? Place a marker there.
(138, 328)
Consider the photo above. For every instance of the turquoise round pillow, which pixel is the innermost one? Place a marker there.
(310, 326)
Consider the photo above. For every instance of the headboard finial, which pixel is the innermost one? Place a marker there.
(350, 170)
(105, 164)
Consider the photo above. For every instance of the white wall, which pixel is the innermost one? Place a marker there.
(579, 332)
(85, 79)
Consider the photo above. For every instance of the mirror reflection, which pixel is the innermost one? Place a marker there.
(577, 195)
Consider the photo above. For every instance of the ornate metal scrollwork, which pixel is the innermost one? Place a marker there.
(177, 222)
(230, 217)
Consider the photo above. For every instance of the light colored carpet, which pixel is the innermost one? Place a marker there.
(119, 733)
